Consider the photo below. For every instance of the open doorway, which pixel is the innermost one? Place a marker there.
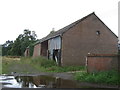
(57, 56)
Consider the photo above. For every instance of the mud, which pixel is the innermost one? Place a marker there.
(69, 76)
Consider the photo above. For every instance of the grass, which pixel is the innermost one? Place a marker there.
(7, 63)
(0, 65)
(41, 64)
(65, 68)
(38, 64)
(46, 65)
(104, 77)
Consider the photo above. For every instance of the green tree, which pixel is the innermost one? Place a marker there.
(15, 50)
(18, 47)
(27, 40)
(6, 47)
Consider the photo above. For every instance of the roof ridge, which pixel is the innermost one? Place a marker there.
(66, 28)
(83, 18)
(106, 25)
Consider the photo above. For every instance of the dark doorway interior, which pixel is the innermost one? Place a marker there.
(57, 56)
(27, 53)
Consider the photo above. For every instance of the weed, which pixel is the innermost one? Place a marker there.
(107, 77)
(43, 62)
(38, 63)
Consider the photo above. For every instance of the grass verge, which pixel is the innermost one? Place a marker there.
(46, 65)
(39, 64)
(104, 77)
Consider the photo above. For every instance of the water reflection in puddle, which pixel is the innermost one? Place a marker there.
(36, 82)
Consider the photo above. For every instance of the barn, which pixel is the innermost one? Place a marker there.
(37, 49)
(71, 44)
(27, 52)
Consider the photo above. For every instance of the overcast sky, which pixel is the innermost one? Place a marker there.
(43, 15)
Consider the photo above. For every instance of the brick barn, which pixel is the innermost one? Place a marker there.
(71, 44)
(37, 49)
(27, 52)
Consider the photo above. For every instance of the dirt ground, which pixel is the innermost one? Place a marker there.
(69, 76)
(23, 68)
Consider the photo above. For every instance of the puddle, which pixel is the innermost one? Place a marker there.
(36, 82)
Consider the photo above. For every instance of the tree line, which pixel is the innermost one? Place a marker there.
(18, 47)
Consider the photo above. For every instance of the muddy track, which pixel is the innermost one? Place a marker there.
(22, 68)
(28, 70)
(69, 76)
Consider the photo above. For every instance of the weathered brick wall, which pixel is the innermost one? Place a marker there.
(102, 62)
(44, 48)
(82, 39)
(37, 49)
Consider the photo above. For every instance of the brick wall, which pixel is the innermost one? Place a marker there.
(82, 39)
(37, 49)
(44, 48)
(102, 62)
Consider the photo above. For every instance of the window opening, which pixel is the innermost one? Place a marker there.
(98, 32)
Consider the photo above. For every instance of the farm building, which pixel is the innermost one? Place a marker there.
(27, 52)
(119, 46)
(37, 49)
(71, 44)
(102, 62)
